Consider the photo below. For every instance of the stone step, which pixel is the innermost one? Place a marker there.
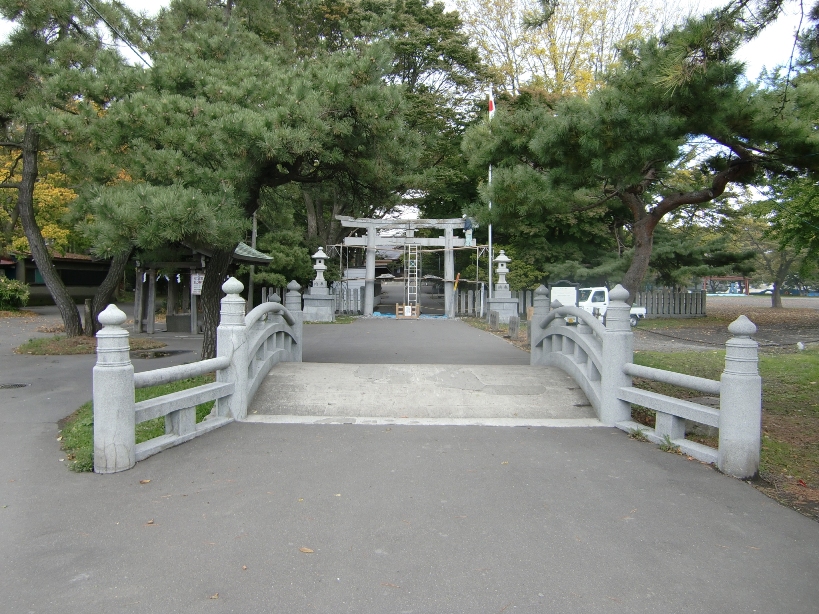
(430, 392)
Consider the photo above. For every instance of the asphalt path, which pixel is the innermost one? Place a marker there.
(373, 519)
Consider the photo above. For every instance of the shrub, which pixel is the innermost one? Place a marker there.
(13, 294)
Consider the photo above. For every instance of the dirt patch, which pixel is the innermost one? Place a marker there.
(23, 313)
(51, 329)
(790, 492)
(778, 330)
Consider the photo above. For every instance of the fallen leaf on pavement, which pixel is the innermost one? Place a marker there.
(144, 481)
(305, 550)
(214, 596)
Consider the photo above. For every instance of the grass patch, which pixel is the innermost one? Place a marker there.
(60, 345)
(638, 435)
(789, 462)
(77, 430)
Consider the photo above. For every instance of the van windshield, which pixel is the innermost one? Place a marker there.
(583, 295)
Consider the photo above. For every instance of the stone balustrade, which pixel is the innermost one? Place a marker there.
(247, 347)
(600, 359)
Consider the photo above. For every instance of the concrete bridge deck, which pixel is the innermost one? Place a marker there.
(430, 394)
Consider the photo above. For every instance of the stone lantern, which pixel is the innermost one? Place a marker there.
(502, 301)
(319, 268)
(502, 270)
(319, 304)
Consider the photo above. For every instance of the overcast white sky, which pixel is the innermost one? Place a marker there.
(772, 48)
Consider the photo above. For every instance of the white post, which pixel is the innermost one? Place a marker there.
(449, 275)
(231, 343)
(114, 426)
(369, 274)
(740, 403)
(249, 304)
(618, 349)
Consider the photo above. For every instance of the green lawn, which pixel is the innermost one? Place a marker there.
(790, 405)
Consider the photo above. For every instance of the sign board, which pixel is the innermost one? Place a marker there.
(196, 283)
(566, 295)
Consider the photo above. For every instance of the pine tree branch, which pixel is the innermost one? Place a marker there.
(596, 204)
(718, 185)
(13, 168)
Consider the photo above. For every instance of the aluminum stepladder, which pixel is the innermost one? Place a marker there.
(411, 307)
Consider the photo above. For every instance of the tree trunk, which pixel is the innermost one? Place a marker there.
(105, 293)
(312, 225)
(39, 251)
(776, 296)
(215, 274)
(643, 231)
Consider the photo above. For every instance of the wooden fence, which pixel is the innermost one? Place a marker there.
(666, 303)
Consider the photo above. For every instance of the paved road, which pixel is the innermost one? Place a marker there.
(398, 519)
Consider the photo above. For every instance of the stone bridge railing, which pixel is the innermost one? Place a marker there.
(600, 359)
(247, 347)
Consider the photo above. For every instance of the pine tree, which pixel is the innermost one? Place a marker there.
(621, 147)
(223, 114)
(48, 37)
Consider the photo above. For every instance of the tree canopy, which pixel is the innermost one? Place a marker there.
(48, 38)
(651, 140)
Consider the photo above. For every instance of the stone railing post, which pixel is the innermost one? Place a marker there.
(231, 342)
(536, 334)
(292, 300)
(740, 403)
(618, 349)
(114, 439)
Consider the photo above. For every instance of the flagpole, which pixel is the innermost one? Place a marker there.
(491, 253)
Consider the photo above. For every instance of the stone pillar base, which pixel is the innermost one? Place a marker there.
(319, 308)
(506, 307)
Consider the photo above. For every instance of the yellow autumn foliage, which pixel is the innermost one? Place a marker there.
(52, 198)
(569, 53)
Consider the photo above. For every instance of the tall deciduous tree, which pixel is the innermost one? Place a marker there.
(52, 197)
(568, 50)
(796, 215)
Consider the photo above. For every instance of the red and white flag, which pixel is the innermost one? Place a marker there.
(491, 105)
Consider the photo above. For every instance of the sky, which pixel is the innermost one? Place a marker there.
(773, 47)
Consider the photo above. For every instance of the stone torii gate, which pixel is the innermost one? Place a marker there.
(373, 240)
